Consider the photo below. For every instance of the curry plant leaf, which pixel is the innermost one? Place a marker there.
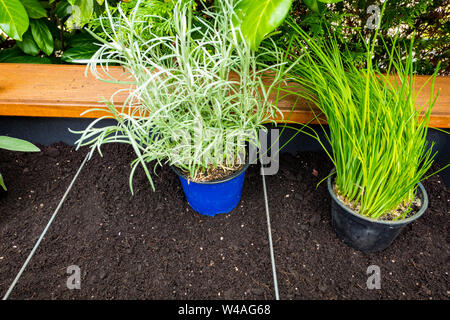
(14, 144)
(34, 9)
(258, 18)
(14, 19)
(42, 36)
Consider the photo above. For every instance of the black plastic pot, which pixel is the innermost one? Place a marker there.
(365, 234)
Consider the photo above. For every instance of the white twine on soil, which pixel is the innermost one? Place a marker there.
(269, 230)
(11, 288)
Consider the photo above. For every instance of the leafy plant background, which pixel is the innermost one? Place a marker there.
(33, 31)
(428, 19)
(52, 32)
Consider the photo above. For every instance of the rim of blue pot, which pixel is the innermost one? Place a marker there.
(228, 178)
(422, 210)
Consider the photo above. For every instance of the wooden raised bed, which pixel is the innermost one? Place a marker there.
(65, 91)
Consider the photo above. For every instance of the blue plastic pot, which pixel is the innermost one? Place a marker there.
(214, 197)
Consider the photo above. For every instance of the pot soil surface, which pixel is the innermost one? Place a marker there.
(153, 246)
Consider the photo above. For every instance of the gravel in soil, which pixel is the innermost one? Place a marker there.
(154, 246)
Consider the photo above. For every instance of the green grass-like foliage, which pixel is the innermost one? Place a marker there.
(183, 104)
(377, 135)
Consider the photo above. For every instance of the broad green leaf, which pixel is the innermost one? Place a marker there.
(28, 45)
(317, 5)
(329, 1)
(63, 9)
(83, 39)
(258, 18)
(15, 55)
(79, 53)
(312, 5)
(82, 11)
(28, 59)
(14, 144)
(2, 183)
(9, 53)
(42, 36)
(34, 8)
(13, 18)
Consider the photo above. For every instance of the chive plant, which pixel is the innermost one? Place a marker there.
(192, 94)
(376, 131)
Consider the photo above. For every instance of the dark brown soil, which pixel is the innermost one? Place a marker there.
(154, 246)
(314, 263)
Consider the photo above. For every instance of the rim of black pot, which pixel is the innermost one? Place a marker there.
(230, 177)
(404, 221)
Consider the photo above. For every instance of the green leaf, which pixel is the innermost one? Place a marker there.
(83, 39)
(42, 36)
(258, 18)
(63, 9)
(2, 183)
(28, 45)
(29, 59)
(329, 1)
(34, 8)
(317, 5)
(13, 18)
(14, 144)
(79, 53)
(15, 55)
(100, 2)
(312, 5)
(82, 11)
(9, 53)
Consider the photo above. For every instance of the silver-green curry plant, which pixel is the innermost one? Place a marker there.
(183, 103)
(14, 144)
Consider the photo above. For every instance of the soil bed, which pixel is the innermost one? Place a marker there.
(153, 246)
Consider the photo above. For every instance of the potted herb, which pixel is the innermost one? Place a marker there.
(14, 144)
(197, 98)
(377, 134)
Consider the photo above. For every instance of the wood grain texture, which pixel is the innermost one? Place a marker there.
(65, 91)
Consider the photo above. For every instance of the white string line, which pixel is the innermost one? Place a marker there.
(269, 230)
(44, 232)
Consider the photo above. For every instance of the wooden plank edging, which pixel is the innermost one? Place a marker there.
(65, 91)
